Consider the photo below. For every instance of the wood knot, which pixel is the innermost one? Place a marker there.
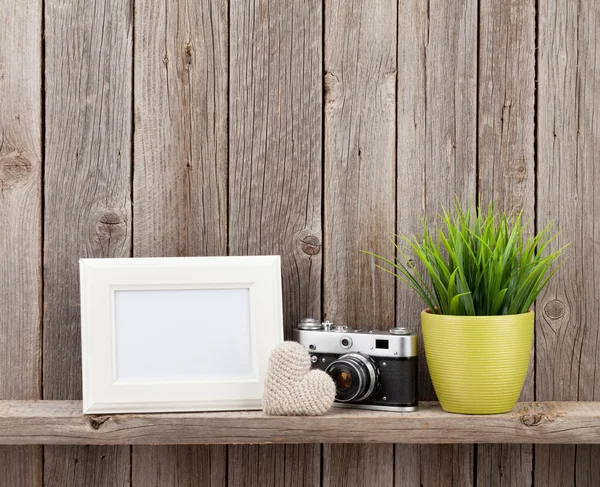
(97, 421)
(531, 419)
(310, 245)
(331, 83)
(188, 54)
(535, 414)
(517, 170)
(554, 309)
(111, 217)
(16, 167)
(110, 230)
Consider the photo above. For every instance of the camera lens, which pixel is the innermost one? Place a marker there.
(356, 377)
(344, 380)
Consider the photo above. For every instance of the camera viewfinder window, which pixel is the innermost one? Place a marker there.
(382, 344)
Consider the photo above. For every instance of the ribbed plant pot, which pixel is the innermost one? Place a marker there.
(477, 364)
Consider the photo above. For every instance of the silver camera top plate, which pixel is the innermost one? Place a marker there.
(335, 339)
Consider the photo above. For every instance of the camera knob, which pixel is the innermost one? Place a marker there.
(399, 331)
(309, 324)
(340, 328)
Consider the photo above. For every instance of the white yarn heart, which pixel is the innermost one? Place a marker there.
(292, 388)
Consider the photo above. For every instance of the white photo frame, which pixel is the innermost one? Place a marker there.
(178, 334)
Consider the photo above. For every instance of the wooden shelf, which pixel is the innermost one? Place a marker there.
(61, 422)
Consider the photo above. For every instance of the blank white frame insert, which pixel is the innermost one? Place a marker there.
(178, 334)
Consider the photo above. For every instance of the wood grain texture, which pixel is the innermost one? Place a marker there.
(447, 465)
(437, 147)
(275, 144)
(413, 32)
(567, 334)
(275, 180)
(178, 465)
(87, 198)
(274, 465)
(180, 172)
(20, 223)
(506, 167)
(79, 465)
(450, 163)
(360, 81)
(180, 176)
(61, 423)
(450, 168)
(348, 465)
(360, 155)
(412, 133)
(504, 465)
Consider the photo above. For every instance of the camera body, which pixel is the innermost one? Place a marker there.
(372, 369)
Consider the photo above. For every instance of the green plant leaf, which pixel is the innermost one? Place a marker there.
(475, 261)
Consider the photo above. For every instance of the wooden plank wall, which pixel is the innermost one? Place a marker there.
(20, 224)
(303, 128)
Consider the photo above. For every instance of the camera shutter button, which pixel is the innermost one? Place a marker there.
(399, 331)
(309, 324)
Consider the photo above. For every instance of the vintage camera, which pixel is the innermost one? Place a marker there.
(371, 369)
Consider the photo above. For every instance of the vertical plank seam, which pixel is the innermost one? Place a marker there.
(228, 176)
(132, 129)
(536, 10)
(322, 219)
(396, 197)
(477, 176)
(132, 171)
(227, 447)
(42, 211)
(321, 464)
(227, 155)
(477, 77)
(425, 109)
(323, 174)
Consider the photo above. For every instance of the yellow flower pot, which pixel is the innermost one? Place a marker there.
(477, 363)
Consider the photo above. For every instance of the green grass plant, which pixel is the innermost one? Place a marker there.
(475, 262)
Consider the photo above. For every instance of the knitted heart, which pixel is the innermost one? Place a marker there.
(292, 388)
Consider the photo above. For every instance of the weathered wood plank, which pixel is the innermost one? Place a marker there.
(448, 465)
(180, 177)
(436, 132)
(180, 185)
(360, 80)
(506, 93)
(263, 465)
(567, 335)
(450, 168)
(20, 223)
(356, 464)
(21, 466)
(79, 465)
(178, 465)
(275, 180)
(253, 465)
(413, 38)
(62, 423)
(504, 465)
(87, 198)
(360, 113)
